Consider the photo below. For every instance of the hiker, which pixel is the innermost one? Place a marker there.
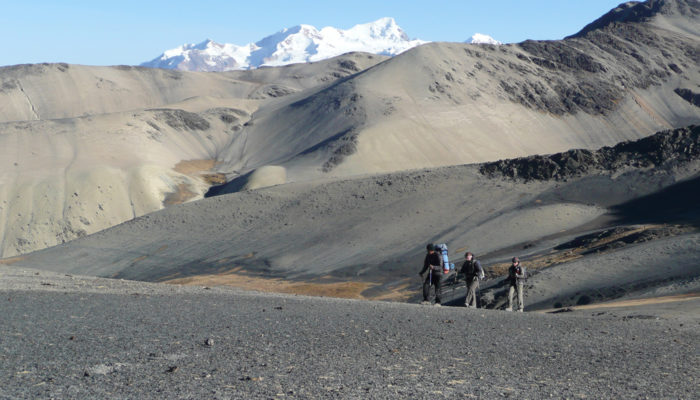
(517, 274)
(472, 271)
(433, 264)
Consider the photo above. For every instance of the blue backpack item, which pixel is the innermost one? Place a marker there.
(442, 250)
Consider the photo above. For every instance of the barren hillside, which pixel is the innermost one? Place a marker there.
(85, 148)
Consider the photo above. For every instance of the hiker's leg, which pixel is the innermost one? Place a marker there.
(466, 298)
(426, 288)
(472, 291)
(438, 287)
(521, 305)
(511, 290)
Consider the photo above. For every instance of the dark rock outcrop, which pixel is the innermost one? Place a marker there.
(593, 70)
(667, 148)
(689, 96)
(633, 11)
(181, 119)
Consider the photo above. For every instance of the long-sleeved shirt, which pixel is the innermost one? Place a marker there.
(513, 275)
(477, 271)
(434, 262)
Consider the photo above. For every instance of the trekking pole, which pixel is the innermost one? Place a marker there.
(430, 281)
(476, 295)
(455, 283)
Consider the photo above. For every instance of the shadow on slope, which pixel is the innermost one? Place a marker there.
(679, 203)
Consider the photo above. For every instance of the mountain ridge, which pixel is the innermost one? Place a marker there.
(297, 44)
(635, 11)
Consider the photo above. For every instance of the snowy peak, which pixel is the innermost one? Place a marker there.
(480, 38)
(298, 44)
(383, 29)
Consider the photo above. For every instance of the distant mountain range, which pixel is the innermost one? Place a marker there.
(299, 44)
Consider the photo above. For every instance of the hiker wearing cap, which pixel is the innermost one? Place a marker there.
(472, 271)
(433, 265)
(517, 274)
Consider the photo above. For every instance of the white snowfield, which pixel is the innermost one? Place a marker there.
(480, 38)
(298, 44)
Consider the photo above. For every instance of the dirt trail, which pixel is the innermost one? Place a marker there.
(632, 303)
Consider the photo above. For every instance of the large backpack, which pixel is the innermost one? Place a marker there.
(469, 269)
(442, 250)
(523, 272)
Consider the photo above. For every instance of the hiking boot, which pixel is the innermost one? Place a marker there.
(425, 302)
(509, 309)
(521, 310)
(437, 305)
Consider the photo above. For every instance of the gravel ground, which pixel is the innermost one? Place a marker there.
(73, 337)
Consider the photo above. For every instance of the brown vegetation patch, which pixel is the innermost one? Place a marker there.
(193, 167)
(347, 290)
(201, 169)
(214, 179)
(181, 195)
(11, 260)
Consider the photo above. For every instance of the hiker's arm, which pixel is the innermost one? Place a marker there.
(426, 264)
(479, 270)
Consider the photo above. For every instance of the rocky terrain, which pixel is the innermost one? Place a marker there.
(662, 150)
(65, 336)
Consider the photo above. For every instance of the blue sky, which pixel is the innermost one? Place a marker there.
(130, 32)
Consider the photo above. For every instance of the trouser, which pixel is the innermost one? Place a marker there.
(472, 286)
(511, 290)
(434, 279)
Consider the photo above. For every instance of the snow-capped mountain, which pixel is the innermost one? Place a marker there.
(302, 43)
(480, 38)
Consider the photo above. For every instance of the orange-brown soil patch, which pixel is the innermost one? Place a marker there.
(11, 260)
(214, 179)
(346, 290)
(201, 169)
(181, 195)
(194, 167)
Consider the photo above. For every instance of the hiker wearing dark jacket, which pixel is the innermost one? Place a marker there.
(433, 265)
(472, 271)
(516, 278)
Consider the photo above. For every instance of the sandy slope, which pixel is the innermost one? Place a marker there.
(105, 144)
(448, 103)
(364, 237)
(72, 131)
(55, 91)
(372, 228)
